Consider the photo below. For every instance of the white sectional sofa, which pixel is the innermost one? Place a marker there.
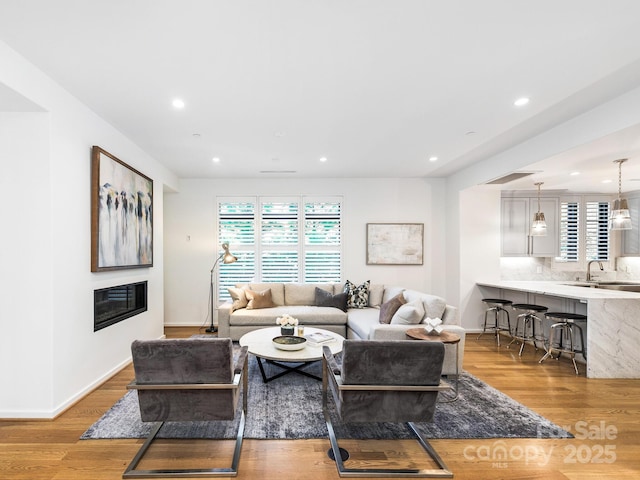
(299, 301)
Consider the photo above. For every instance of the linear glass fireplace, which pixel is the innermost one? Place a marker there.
(114, 304)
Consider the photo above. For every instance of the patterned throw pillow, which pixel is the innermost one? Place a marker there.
(357, 295)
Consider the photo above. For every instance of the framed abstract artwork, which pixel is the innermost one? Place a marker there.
(395, 243)
(121, 214)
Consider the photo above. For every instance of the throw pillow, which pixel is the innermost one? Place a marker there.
(409, 314)
(238, 297)
(326, 299)
(434, 306)
(389, 308)
(375, 294)
(259, 299)
(357, 295)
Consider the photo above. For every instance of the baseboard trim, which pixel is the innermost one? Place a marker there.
(51, 415)
(70, 402)
(198, 325)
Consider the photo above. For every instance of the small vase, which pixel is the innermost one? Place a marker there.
(287, 330)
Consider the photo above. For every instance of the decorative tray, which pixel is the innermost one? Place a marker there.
(289, 342)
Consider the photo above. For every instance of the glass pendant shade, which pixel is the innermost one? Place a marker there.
(539, 225)
(620, 219)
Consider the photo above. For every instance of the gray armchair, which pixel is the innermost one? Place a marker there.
(384, 381)
(183, 380)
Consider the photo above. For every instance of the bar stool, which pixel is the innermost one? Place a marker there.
(527, 318)
(496, 306)
(564, 328)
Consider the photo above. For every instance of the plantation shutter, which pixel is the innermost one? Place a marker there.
(569, 232)
(279, 234)
(236, 225)
(322, 241)
(597, 231)
(280, 239)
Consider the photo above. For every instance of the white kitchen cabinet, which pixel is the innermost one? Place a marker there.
(516, 218)
(631, 238)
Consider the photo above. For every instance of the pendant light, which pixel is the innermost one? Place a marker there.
(539, 225)
(620, 218)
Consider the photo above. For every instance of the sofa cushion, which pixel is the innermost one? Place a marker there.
(433, 305)
(362, 319)
(303, 293)
(389, 308)
(327, 299)
(306, 315)
(375, 294)
(411, 313)
(390, 292)
(357, 295)
(260, 299)
(238, 297)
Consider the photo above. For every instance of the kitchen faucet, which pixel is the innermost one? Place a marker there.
(589, 268)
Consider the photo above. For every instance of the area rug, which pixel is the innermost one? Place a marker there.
(290, 407)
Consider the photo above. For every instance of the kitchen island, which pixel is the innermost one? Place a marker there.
(613, 325)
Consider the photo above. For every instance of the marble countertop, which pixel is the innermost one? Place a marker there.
(560, 289)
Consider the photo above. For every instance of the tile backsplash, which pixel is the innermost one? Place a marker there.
(534, 268)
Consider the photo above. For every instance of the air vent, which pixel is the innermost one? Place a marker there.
(277, 171)
(509, 178)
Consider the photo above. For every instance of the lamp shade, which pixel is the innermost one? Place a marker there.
(539, 225)
(227, 257)
(620, 218)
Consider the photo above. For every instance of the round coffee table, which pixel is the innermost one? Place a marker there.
(259, 343)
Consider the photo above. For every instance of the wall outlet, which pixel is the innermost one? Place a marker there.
(538, 269)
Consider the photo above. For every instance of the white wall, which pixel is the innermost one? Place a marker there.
(49, 349)
(26, 296)
(479, 248)
(191, 214)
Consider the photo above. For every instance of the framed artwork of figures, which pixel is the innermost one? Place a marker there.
(121, 214)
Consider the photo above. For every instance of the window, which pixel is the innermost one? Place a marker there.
(281, 239)
(597, 231)
(584, 233)
(569, 213)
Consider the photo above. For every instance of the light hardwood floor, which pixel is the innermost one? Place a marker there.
(604, 415)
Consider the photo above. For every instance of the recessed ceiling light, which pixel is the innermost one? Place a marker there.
(607, 181)
(521, 102)
(177, 103)
(573, 174)
(433, 159)
(323, 159)
(215, 160)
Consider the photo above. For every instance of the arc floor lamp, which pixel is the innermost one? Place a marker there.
(226, 257)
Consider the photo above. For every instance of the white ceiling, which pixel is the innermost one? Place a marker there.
(375, 86)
